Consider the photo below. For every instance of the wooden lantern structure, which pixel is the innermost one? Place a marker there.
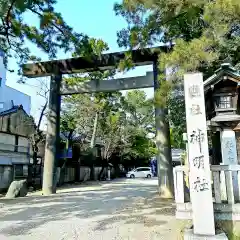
(222, 105)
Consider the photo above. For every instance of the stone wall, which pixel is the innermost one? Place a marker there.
(6, 175)
(69, 174)
(84, 174)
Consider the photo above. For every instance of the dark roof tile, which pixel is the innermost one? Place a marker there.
(11, 110)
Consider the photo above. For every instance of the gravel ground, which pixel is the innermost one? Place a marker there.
(121, 209)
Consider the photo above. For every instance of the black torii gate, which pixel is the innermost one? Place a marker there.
(57, 68)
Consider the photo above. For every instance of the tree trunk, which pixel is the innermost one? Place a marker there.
(34, 164)
(101, 172)
(77, 170)
(104, 165)
(92, 146)
(34, 172)
(40, 171)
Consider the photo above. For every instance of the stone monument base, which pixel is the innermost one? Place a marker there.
(189, 235)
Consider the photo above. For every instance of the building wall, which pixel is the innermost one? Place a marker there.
(10, 173)
(10, 158)
(10, 163)
(23, 144)
(18, 98)
(7, 142)
(10, 96)
(9, 154)
(6, 177)
(7, 138)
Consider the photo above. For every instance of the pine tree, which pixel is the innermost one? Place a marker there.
(50, 34)
(204, 33)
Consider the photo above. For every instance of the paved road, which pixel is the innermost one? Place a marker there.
(122, 209)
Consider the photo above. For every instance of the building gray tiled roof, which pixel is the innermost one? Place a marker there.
(225, 69)
(11, 110)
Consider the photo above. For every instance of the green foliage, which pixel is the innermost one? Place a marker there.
(139, 110)
(124, 122)
(68, 123)
(177, 120)
(139, 125)
(83, 109)
(162, 94)
(50, 34)
(140, 147)
(126, 63)
(204, 33)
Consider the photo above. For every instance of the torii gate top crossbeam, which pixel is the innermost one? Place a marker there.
(105, 61)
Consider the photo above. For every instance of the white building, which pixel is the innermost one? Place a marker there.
(10, 97)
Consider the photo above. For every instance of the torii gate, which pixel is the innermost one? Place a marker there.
(57, 68)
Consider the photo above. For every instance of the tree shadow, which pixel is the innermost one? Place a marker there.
(150, 212)
(110, 204)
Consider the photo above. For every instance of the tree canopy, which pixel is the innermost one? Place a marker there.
(204, 33)
(139, 126)
(124, 122)
(177, 120)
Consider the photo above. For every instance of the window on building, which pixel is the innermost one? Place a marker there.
(98, 152)
(224, 102)
(18, 171)
(16, 144)
(0, 81)
(1, 105)
(25, 170)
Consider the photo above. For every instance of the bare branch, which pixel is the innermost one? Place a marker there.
(41, 116)
(9, 12)
(6, 33)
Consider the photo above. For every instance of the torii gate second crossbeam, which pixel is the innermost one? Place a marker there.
(57, 68)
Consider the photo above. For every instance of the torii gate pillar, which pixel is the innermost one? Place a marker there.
(52, 138)
(164, 156)
(57, 68)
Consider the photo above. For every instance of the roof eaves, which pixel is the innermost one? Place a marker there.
(225, 68)
(9, 111)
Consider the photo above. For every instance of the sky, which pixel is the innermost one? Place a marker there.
(95, 18)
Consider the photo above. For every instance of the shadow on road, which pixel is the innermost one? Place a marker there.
(106, 204)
